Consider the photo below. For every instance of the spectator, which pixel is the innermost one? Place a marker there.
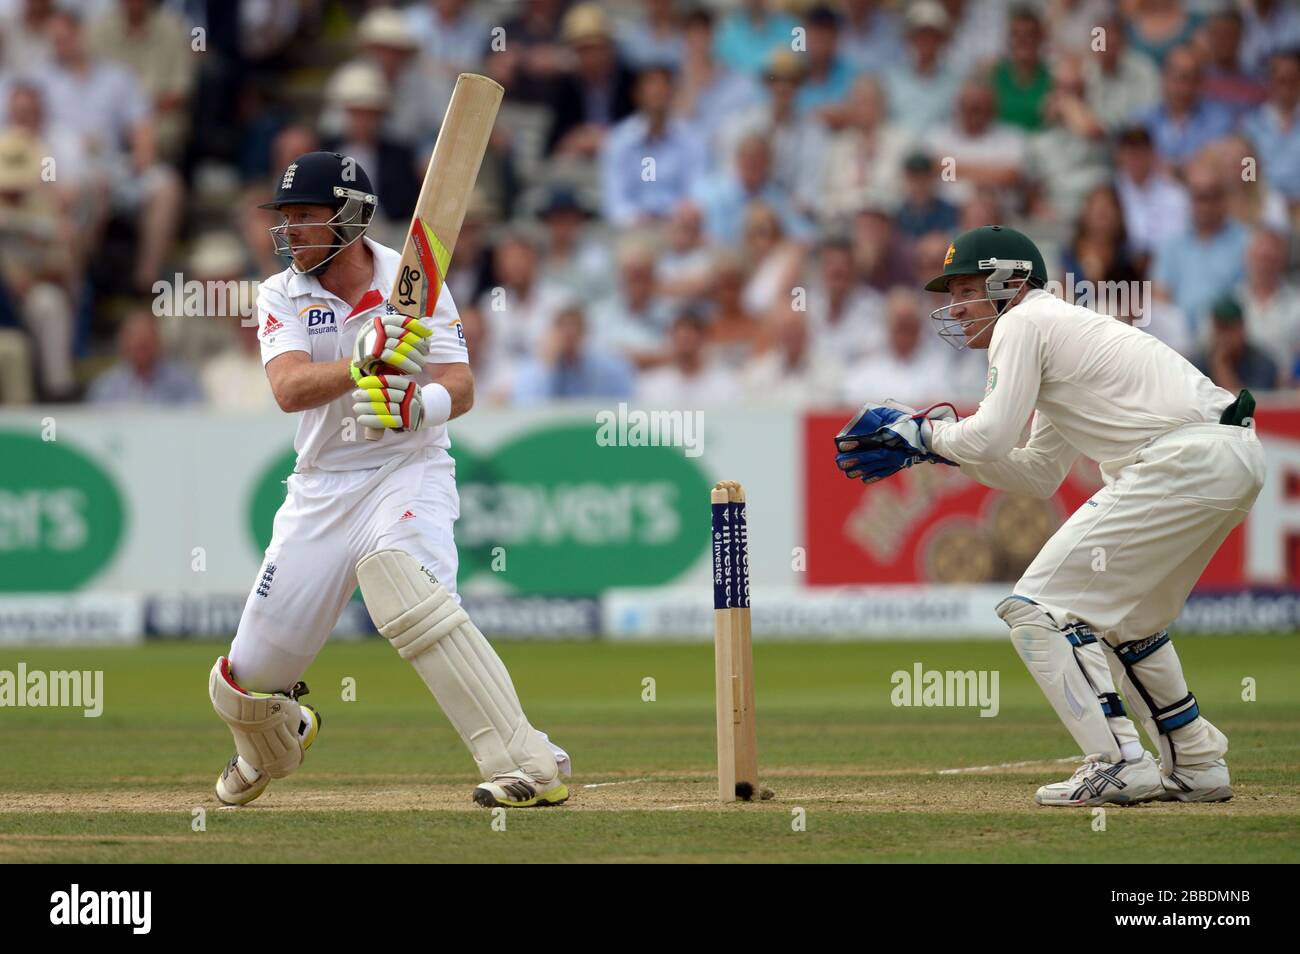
(574, 259)
(519, 307)
(1098, 269)
(798, 142)
(735, 330)
(36, 262)
(651, 160)
(1121, 83)
(1073, 23)
(418, 93)
(1270, 302)
(143, 374)
(597, 93)
(1270, 26)
(882, 259)
(234, 378)
(633, 320)
(76, 197)
(217, 261)
(1226, 83)
(1231, 360)
(1021, 80)
(362, 95)
(1070, 155)
(775, 260)
(921, 90)
(792, 372)
(570, 367)
(1274, 128)
(686, 267)
(844, 315)
(987, 153)
(653, 36)
(709, 94)
(1155, 205)
(922, 211)
(493, 375)
(105, 107)
(871, 38)
(1199, 266)
(863, 158)
(748, 35)
(470, 274)
(1252, 198)
(1185, 120)
(531, 64)
(828, 75)
(911, 367)
(1158, 27)
(690, 379)
(978, 29)
(724, 197)
(25, 32)
(450, 34)
(155, 46)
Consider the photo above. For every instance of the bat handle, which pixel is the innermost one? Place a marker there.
(374, 433)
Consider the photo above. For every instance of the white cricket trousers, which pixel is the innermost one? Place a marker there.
(329, 520)
(1124, 563)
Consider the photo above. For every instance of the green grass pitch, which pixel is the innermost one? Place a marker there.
(855, 779)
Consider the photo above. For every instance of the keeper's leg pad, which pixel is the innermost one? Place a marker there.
(1070, 667)
(1150, 675)
(431, 631)
(267, 726)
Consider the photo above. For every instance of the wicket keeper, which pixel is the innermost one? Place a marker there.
(378, 515)
(1181, 466)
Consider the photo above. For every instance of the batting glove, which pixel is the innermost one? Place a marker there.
(399, 343)
(392, 401)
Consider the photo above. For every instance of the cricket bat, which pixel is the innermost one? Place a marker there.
(444, 197)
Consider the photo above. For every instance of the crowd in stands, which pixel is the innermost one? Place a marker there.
(683, 204)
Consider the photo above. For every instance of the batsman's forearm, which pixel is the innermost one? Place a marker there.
(312, 383)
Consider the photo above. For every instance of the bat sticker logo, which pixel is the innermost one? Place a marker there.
(406, 285)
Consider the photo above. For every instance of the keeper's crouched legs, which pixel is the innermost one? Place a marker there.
(431, 631)
(1070, 667)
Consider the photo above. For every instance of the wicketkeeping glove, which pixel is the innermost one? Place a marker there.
(893, 427)
(394, 401)
(400, 343)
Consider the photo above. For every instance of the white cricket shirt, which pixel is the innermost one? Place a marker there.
(294, 313)
(1098, 386)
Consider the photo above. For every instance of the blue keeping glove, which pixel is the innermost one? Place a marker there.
(888, 426)
(870, 464)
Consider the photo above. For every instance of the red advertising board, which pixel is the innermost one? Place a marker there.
(931, 524)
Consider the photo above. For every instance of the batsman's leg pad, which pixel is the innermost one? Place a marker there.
(1070, 667)
(268, 727)
(431, 631)
(1151, 678)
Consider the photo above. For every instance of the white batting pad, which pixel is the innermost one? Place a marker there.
(265, 727)
(428, 628)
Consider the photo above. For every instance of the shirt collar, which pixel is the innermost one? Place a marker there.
(385, 271)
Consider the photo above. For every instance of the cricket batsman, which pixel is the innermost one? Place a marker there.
(377, 514)
(1181, 467)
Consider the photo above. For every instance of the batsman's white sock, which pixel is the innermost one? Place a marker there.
(1132, 751)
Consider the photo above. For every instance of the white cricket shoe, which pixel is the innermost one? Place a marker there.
(517, 790)
(1203, 782)
(1097, 782)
